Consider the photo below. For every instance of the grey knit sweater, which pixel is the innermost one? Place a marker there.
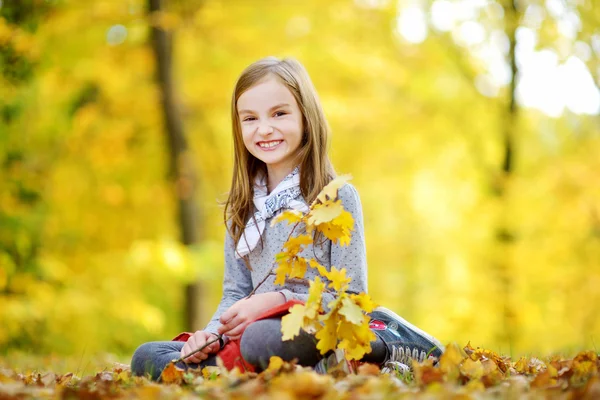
(238, 280)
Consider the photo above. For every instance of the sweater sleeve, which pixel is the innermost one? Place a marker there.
(237, 283)
(352, 257)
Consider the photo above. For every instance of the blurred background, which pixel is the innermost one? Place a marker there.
(471, 128)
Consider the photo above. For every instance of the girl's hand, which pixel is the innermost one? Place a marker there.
(197, 340)
(242, 312)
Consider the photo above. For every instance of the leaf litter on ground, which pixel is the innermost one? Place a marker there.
(461, 373)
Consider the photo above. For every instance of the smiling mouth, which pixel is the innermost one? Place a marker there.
(269, 145)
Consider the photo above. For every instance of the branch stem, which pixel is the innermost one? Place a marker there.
(199, 349)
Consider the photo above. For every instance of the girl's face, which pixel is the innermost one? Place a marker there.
(271, 124)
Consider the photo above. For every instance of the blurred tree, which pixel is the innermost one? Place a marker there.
(91, 256)
(181, 169)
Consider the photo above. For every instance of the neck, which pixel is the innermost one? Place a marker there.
(276, 175)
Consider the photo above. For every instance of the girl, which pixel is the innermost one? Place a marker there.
(280, 137)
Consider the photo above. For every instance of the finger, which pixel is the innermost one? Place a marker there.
(190, 347)
(225, 328)
(187, 347)
(196, 357)
(213, 347)
(184, 351)
(228, 315)
(237, 331)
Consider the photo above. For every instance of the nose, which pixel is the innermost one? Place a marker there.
(264, 128)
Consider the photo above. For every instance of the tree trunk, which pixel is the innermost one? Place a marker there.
(505, 236)
(181, 171)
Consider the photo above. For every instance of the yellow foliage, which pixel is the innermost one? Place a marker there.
(330, 191)
(292, 322)
(290, 216)
(451, 360)
(327, 335)
(321, 269)
(364, 301)
(324, 212)
(338, 279)
(338, 230)
(356, 338)
(351, 311)
(444, 248)
(275, 364)
(295, 244)
(471, 369)
(315, 293)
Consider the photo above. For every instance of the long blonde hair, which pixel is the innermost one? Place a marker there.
(316, 170)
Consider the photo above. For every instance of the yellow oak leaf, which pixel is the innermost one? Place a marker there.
(334, 233)
(355, 338)
(290, 216)
(333, 307)
(310, 314)
(315, 292)
(327, 335)
(351, 311)
(354, 351)
(314, 264)
(299, 266)
(281, 256)
(311, 325)
(325, 212)
(292, 323)
(331, 189)
(295, 244)
(359, 333)
(364, 301)
(283, 269)
(338, 230)
(338, 279)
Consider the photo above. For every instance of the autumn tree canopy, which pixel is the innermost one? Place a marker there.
(418, 105)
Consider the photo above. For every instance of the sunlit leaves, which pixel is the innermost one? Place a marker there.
(290, 216)
(295, 244)
(330, 191)
(338, 278)
(327, 336)
(339, 228)
(293, 322)
(467, 374)
(364, 301)
(324, 212)
(291, 267)
(351, 311)
(345, 326)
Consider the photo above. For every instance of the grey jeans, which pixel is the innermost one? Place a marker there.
(260, 341)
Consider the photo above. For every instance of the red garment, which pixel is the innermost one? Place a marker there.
(230, 353)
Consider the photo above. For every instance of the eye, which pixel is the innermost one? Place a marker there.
(280, 113)
(248, 119)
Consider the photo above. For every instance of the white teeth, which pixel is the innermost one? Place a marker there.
(268, 145)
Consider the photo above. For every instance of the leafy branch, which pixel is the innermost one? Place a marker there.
(345, 326)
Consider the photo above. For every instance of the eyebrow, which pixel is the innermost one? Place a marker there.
(271, 109)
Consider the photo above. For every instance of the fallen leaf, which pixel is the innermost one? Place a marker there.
(172, 374)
